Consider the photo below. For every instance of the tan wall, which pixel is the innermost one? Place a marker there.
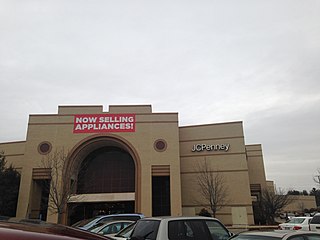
(299, 203)
(14, 152)
(231, 164)
(270, 185)
(256, 165)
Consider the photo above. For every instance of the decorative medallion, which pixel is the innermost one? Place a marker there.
(160, 145)
(44, 148)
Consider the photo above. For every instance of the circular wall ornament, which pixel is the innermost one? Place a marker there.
(160, 145)
(44, 148)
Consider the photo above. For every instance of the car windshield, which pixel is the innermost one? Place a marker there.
(296, 220)
(82, 222)
(147, 229)
(98, 225)
(125, 233)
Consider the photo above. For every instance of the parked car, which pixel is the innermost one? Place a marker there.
(315, 223)
(123, 234)
(14, 229)
(296, 223)
(88, 223)
(165, 228)
(277, 234)
(111, 227)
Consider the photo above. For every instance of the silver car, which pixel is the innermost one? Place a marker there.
(110, 227)
(89, 223)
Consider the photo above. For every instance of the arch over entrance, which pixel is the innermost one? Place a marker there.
(108, 174)
(106, 170)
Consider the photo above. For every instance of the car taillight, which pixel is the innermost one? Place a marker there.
(297, 228)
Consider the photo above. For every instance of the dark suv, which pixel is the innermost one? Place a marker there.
(315, 223)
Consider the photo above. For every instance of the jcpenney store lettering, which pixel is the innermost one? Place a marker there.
(211, 147)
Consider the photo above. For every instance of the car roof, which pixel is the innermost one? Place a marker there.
(25, 229)
(117, 215)
(118, 220)
(91, 221)
(113, 222)
(121, 214)
(171, 218)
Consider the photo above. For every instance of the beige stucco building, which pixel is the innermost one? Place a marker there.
(131, 159)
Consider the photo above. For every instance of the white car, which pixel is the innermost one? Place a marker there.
(296, 223)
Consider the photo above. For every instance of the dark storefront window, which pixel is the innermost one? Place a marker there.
(107, 170)
(161, 196)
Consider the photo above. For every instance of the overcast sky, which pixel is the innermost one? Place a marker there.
(212, 61)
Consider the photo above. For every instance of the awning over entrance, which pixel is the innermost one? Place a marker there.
(102, 197)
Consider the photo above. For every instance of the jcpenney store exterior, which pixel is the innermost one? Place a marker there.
(131, 159)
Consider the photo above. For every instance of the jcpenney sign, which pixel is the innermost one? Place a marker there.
(210, 147)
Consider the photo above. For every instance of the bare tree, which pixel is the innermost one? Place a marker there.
(316, 178)
(212, 187)
(316, 193)
(272, 201)
(61, 184)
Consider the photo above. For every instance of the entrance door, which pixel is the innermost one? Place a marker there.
(39, 205)
(80, 211)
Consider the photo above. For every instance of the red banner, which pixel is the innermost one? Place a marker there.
(97, 123)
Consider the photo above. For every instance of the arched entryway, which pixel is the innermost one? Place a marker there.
(107, 178)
